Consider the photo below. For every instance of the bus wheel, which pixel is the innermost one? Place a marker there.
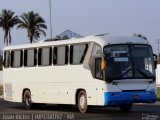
(126, 107)
(27, 99)
(82, 101)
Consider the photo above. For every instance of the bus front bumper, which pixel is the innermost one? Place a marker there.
(119, 98)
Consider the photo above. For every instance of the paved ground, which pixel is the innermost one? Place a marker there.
(15, 111)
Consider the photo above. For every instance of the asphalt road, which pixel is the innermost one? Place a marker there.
(15, 111)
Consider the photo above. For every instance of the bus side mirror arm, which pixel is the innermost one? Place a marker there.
(155, 60)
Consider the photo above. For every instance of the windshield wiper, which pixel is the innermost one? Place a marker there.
(139, 70)
(143, 73)
(126, 72)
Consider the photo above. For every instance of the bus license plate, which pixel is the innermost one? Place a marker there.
(134, 96)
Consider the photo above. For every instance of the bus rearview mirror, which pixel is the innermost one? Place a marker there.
(155, 61)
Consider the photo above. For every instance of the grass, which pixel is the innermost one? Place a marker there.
(158, 94)
(1, 89)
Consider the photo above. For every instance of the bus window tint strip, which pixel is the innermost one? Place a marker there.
(66, 54)
(6, 59)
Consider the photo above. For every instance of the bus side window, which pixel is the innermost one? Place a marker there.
(94, 62)
(44, 56)
(60, 55)
(78, 53)
(98, 71)
(6, 59)
(16, 58)
(30, 57)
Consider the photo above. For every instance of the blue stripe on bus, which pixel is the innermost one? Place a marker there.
(118, 98)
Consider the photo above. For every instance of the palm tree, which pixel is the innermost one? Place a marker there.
(34, 24)
(7, 21)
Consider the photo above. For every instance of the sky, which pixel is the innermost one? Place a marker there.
(90, 17)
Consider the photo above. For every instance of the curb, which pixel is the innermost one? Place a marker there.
(157, 102)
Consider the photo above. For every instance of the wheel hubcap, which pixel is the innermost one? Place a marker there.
(27, 101)
(82, 101)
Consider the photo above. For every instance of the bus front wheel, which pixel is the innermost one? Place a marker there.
(27, 99)
(82, 101)
(126, 107)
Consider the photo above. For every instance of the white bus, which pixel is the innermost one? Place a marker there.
(89, 71)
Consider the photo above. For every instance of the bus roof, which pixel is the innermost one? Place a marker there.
(125, 40)
(102, 40)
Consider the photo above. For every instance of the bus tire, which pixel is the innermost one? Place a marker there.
(82, 101)
(126, 107)
(27, 99)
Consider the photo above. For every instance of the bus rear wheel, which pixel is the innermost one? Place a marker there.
(27, 99)
(126, 107)
(82, 101)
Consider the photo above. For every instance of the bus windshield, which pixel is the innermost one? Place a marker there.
(129, 61)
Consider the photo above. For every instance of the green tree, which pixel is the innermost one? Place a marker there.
(7, 21)
(140, 35)
(34, 24)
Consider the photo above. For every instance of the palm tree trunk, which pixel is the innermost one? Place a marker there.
(9, 35)
(6, 37)
(31, 39)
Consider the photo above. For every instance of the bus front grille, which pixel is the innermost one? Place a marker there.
(133, 90)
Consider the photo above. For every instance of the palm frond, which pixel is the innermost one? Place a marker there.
(41, 25)
(7, 21)
(34, 24)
